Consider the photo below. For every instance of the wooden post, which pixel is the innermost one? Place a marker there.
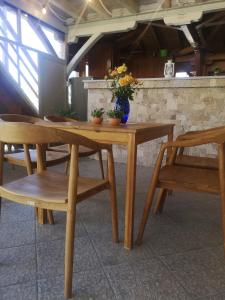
(166, 4)
(198, 62)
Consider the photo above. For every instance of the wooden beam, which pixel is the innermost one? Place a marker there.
(166, 4)
(155, 37)
(206, 24)
(189, 36)
(219, 23)
(209, 20)
(97, 7)
(75, 32)
(117, 24)
(65, 6)
(82, 51)
(165, 26)
(141, 36)
(130, 5)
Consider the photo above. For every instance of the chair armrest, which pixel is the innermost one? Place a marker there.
(188, 143)
(198, 133)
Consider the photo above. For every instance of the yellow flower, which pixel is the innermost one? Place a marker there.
(114, 73)
(122, 69)
(127, 79)
(122, 81)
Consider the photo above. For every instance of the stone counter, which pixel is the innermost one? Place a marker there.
(191, 104)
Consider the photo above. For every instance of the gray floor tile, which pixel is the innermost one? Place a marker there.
(168, 239)
(19, 292)
(17, 265)
(181, 257)
(50, 257)
(111, 253)
(91, 285)
(200, 271)
(214, 297)
(16, 234)
(57, 231)
(13, 212)
(144, 280)
(96, 217)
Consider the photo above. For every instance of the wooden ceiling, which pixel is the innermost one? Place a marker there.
(86, 10)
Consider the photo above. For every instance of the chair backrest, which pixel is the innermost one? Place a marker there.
(19, 118)
(24, 133)
(54, 118)
(38, 135)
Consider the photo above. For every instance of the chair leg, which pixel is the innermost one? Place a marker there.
(50, 217)
(223, 218)
(160, 201)
(222, 187)
(147, 208)
(113, 198)
(42, 213)
(151, 191)
(101, 164)
(67, 167)
(69, 247)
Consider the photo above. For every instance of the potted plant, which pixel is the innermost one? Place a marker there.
(97, 114)
(67, 113)
(115, 116)
(122, 85)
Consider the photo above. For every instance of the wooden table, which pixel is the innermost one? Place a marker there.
(131, 135)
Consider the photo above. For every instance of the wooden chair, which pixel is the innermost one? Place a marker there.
(56, 191)
(189, 177)
(83, 151)
(18, 158)
(183, 159)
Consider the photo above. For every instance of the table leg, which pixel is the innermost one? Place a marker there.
(169, 153)
(130, 192)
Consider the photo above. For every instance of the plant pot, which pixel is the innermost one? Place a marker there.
(114, 122)
(96, 121)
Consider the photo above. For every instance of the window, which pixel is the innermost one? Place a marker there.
(56, 39)
(8, 22)
(19, 48)
(29, 35)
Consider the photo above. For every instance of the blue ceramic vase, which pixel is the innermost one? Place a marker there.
(124, 106)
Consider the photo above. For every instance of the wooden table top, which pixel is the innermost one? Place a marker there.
(122, 128)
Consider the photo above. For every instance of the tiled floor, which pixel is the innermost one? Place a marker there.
(181, 256)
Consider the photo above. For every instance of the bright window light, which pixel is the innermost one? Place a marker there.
(55, 40)
(21, 61)
(182, 75)
(11, 16)
(30, 37)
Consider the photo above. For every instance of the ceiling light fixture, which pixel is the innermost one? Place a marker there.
(44, 10)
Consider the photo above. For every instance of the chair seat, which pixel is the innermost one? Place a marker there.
(83, 151)
(189, 178)
(52, 157)
(198, 162)
(48, 186)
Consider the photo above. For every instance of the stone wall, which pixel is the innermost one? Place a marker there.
(191, 104)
